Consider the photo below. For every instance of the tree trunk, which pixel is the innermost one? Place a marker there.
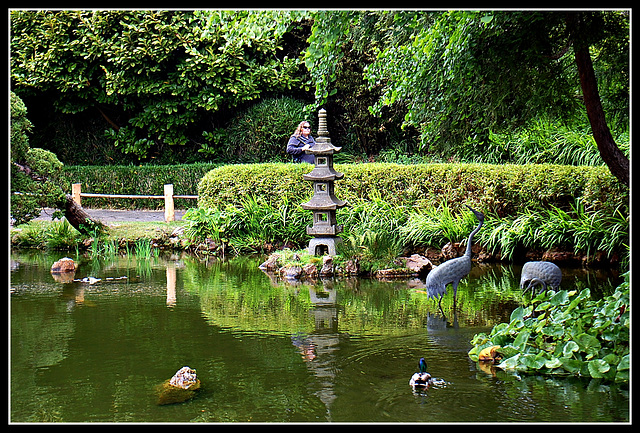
(80, 220)
(612, 155)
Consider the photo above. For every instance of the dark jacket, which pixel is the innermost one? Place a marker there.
(294, 148)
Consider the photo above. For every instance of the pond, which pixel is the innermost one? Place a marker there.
(265, 350)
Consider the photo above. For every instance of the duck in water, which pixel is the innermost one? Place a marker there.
(421, 379)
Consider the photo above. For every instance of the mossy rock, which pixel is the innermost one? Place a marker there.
(169, 394)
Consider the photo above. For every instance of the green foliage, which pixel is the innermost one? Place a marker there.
(20, 127)
(577, 229)
(463, 75)
(372, 232)
(152, 74)
(539, 142)
(386, 212)
(431, 225)
(259, 134)
(499, 189)
(203, 223)
(34, 172)
(135, 180)
(565, 333)
(56, 235)
(249, 226)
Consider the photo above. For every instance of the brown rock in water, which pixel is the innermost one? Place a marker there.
(181, 387)
(452, 250)
(352, 267)
(291, 272)
(418, 264)
(310, 270)
(327, 266)
(63, 265)
(272, 264)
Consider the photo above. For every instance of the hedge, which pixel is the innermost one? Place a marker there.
(499, 189)
(136, 180)
(502, 189)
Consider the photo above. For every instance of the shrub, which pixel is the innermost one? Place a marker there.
(261, 133)
(502, 190)
(135, 180)
(34, 172)
(391, 206)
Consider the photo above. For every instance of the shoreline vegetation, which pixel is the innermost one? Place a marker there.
(284, 259)
(575, 215)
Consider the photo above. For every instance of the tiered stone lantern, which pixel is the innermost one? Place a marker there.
(324, 203)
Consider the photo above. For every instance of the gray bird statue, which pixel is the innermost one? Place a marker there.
(452, 271)
(540, 273)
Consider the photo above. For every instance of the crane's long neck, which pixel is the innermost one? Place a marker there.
(470, 240)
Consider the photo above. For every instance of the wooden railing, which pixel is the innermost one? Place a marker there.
(169, 210)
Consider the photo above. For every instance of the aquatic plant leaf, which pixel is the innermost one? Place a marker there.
(543, 306)
(597, 368)
(508, 351)
(553, 363)
(521, 313)
(535, 362)
(624, 363)
(571, 365)
(554, 331)
(560, 298)
(510, 363)
(588, 343)
(521, 340)
(570, 347)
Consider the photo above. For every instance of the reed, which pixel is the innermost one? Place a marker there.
(144, 248)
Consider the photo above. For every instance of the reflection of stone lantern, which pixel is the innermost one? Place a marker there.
(324, 203)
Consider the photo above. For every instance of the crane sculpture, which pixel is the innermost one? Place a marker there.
(540, 273)
(452, 271)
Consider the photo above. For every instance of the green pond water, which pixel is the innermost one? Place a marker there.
(265, 350)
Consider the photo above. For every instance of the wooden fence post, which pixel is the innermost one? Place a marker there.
(169, 214)
(75, 193)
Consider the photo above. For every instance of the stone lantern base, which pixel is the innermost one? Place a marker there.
(324, 245)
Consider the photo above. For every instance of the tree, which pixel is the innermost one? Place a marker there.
(611, 154)
(464, 74)
(152, 75)
(35, 178)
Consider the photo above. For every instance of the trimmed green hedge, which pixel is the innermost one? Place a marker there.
(502, 189)
(136, 180)
(499, 189)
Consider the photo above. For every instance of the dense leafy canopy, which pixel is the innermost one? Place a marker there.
(450, 78)
(150, 73)
(462, 74)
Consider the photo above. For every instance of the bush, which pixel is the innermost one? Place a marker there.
(388, 210)
(260, 133)
(502, 190)
(136, 180)
(34, 171)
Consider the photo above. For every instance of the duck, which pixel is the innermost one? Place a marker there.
(421, 379)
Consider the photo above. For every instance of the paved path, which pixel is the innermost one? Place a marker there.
(112, 215)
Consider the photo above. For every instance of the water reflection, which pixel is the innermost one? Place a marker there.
(267, 350)
(318, 348)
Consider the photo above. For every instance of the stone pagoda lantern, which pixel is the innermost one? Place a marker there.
(324, 203)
